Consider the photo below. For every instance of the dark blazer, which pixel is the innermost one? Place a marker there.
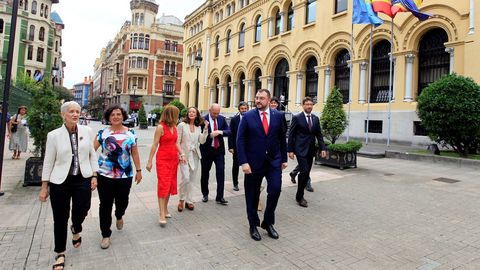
(301, 140)
(232, 139)
(221, 125)
(254, 147)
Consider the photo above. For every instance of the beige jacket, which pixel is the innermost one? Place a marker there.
(190, 148)
(58, 154)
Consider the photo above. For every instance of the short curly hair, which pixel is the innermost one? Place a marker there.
(109, 110)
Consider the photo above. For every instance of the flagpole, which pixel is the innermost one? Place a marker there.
(350, 86)
(390, 87)
(369, 82)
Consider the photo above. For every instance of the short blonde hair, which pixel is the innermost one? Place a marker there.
(65, 106)
(170, 115)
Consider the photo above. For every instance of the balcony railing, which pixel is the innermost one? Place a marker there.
(170, 73)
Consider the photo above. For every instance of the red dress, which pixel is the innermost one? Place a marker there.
(167, 163)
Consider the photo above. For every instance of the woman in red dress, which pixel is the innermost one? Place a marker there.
(168, 155)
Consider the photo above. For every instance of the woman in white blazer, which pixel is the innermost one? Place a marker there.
(190, 136)
(69, 173)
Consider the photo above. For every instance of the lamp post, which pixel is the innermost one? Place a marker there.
(198, 63)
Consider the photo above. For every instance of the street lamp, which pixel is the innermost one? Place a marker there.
(198, 63)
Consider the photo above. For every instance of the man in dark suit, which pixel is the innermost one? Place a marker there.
(213, 151)
(261, 148)
(304, 129)
(232, 141)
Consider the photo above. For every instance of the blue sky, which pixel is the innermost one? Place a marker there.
(90, 24)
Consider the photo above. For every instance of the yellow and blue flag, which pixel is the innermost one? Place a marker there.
(363, 13)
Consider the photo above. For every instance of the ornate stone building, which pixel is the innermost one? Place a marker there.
(38, 40)
(143, 63)
(298, 48)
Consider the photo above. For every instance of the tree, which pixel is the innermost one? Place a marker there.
(180, 106)
(142, 117)
(334, 119)
(450, 112)
(43, 115)
(63, 93)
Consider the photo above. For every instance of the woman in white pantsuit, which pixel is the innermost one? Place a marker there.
(190, 136)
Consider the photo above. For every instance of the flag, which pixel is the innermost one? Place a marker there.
(384, 6)
(409, 6)
(363, 13)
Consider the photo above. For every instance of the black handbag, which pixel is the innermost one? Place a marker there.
(14, 126)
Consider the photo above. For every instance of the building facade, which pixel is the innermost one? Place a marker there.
(298, 48)
(143, 63)
(82, 92)
(38, 40)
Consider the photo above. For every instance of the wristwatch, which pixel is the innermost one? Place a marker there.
(139, 170)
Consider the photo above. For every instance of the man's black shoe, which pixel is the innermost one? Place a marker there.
(292, 177)
(303, 203)
(309, 187)
(255, 234)
(235, 188)
(222, 201)
(270, 230)
(205, 199)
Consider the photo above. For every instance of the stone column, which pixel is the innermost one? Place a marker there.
(298, 96)
(409, 77)
(235, 95)
(363, 82)
(222, 96)
(350, 81)
(250, 89)
(451, 51)
(205, 60)
(472, 18)
(270, 83)
(212, 93)
(319, 86)
(270, 27)
(326, 88)
(282, 20)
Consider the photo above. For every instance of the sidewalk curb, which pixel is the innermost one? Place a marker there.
(459, 162)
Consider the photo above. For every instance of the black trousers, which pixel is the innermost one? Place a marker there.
(110, 191)
(235, 169)
(297, 170)
(252, 183)
(304, 166)
(78, 190)
(217, 157)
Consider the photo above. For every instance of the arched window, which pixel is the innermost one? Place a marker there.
(281, 83)
(1, 26)
(26, 5)
(41, 10)
(141, 19)
(311, 11)
(229, 37)
(135, 41)
(380, 72)
(41, 34)
(217, 17)
(241, 36)
(258, 82)
(30, 52)
(147, 42)
(290, 18)
(342, 74)
(140, 41)
(34, 7)
(217, 46)
(242, 87)
(40, 55)
(228, 10)
(433, 61)
(217, 91)
(258, 29)
(31, 33)
(229, 92)
(311, 78)
(278, 22)
(46, 12)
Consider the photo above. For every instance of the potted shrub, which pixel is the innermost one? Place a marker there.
(43, 116)
(142, 118)
(333, 122)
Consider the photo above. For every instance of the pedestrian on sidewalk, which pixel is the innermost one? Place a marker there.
(232, 141)
(168, 155)
(119, 147)
(262, 152)
(69, 174)
(190, 136)
(18, 132)
(304, 130)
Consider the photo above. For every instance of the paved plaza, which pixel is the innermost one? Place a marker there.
(386, 214)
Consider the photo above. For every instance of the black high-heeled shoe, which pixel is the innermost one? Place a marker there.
(78, 242)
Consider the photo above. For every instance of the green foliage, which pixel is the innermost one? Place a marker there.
(158, 111)
(183, 112)
(63, 93)
(43, 115)
(25, 82)
(450, 112)
(142, 116)
(180, 106)
(350, 146)
(334, 119)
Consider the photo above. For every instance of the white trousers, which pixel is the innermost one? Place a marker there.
(187, 176)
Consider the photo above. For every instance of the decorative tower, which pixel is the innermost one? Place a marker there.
(143, 12)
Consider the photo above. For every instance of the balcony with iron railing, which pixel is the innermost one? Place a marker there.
(169, 53)
(171, 73)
